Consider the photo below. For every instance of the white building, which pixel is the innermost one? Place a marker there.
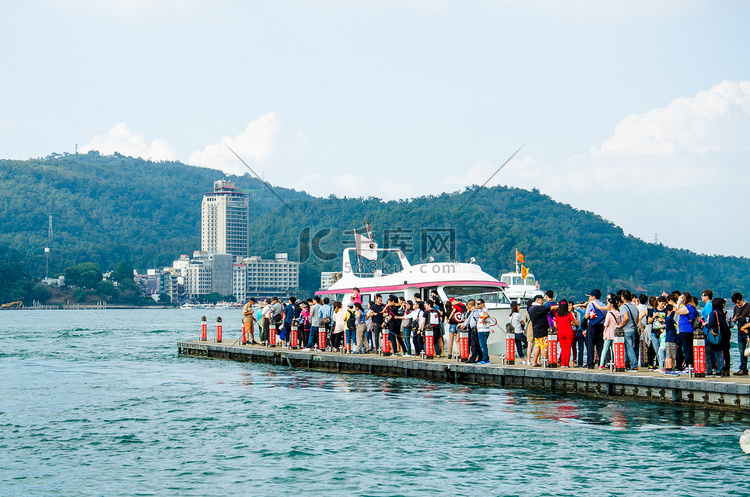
(266, 278)
(327, 279)
(224, 220)
(239, 282)
(198, 276)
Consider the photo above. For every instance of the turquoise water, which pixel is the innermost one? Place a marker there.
(98, 403)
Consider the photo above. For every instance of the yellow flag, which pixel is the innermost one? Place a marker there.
(524, 271)
(519, 256)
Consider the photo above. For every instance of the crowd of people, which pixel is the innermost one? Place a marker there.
(658, 331)
(404, 323)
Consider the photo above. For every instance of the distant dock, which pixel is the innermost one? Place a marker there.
(730, 393)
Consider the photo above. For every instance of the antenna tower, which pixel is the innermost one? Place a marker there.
(46, 249)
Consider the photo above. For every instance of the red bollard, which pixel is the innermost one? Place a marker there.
(321, 338)
(218, 330)
(429, 343)
(619, 349)
(699, 354)
(294, 339)
(463, 345)
(272, 334)
(385, 344)
(204, 329)
(244, 334)
(510, 347)
(551, 350)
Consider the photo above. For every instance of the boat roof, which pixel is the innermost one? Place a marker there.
(417, 276)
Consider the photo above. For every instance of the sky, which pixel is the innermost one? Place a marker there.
(638, 111)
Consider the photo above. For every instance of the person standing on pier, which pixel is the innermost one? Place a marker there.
(290, 314)
(685, 314)
(629, 322)
(611, 321)
(741, 315)
(267, 310)
(716, 323)
(376, 315)
(565, 321)
(325, 314)
(312, 339)
(594, 327)
(248, 318)
(538, 314)
(359, 314)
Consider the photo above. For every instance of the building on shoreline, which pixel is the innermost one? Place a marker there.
(225, 216)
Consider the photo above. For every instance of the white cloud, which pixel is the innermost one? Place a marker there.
(126, 142)
(690, 156)
(687, 141)
(255, 145)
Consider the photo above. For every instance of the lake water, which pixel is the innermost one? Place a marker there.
(98, 403)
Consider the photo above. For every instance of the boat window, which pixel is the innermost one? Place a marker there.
(505, 279)
(530, 280)
(490, 294)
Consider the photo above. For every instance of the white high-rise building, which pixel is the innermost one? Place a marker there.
(225, 214)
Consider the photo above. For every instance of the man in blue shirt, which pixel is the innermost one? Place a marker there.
(290, 312)
(595, 327)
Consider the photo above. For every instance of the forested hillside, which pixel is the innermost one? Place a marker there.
(570, 251)
(109, 209)
(115, 208)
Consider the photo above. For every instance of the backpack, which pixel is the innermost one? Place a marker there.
(697, 322)
(350, 320)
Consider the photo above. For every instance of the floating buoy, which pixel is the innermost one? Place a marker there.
(745, 442)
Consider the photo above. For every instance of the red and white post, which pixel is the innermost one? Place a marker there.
(204, 329)
(699, 354)
(294, 341)
(218, 330)
(619, 349)
(322, 338)
(272, 334)
(510, 347)
(385, 344)
(463, 345)
(244, 334)
(551, 349)
(429, 343)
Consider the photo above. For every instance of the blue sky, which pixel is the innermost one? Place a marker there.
(636, 110)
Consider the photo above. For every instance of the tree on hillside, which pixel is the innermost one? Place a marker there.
(122, 271)
(85, 275)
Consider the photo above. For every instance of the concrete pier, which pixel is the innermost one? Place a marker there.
(732, 393)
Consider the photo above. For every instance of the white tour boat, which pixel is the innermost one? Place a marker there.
(450, 279)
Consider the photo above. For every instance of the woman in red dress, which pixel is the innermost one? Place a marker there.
(564, 322)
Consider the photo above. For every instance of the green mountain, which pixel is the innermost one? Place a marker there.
(109, 209)
(114, 208)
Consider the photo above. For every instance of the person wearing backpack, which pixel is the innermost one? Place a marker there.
(277, 310)
(351, 326)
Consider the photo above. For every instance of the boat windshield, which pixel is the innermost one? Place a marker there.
(490, 294)
(518, 281)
